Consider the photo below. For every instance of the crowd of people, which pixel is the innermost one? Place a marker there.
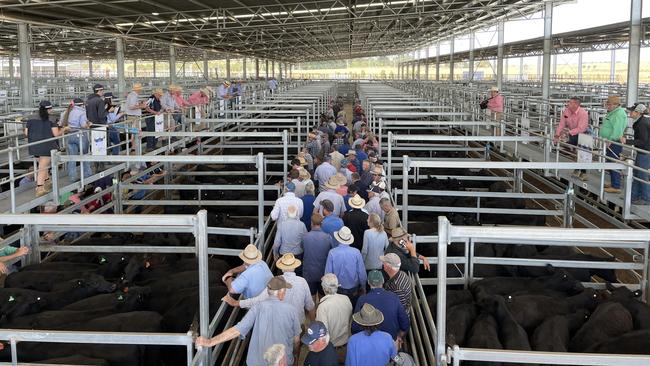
(344, 289)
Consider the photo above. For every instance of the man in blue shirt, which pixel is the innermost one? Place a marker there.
(371, 346)
(347, 264)
(316, 246)
(396, 321)
(253, 275)
(331, 222)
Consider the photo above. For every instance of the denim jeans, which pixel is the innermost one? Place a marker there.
(151, 127)
(72, 143)
(641, 190)
(613, 151)
(114, 140)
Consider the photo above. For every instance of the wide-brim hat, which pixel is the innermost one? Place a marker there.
(304, 174)
(250, 254)
(368, 316)
(340, 178)
(287, 262)
(494, 89)
(398, 232)
(302, 160)
(344, 236)
(356, 201)
(332, 183)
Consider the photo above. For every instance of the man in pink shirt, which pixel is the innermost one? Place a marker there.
(495, 103)
(573, 122)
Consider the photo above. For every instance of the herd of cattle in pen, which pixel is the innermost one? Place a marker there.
(514, 307)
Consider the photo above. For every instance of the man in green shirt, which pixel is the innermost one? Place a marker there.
(612, 129)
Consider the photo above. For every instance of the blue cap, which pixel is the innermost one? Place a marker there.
(290, 187)
(316, 331)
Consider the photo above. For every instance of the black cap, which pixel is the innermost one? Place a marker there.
(108, 95)
(97, 87)
(78, 101)
(45, 104)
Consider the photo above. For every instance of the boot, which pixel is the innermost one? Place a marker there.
(41, 191)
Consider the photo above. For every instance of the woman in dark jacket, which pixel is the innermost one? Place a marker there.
(641, 126)
(39, 129)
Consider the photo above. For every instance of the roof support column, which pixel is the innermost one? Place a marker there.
(538, 74)
(206, 70)
(227, 66)
(290, 71)
(172, 64)
(419, 52)
(413, 69)
(272, 68)
(56, 67)
(154, 69)
(257, 68)
(11, 67)
(554, 73)
(634, 55)
(521, 69)
(90, 68)
(25, 65)
(579, 67)
(119, 60)
(426, 64)
(135, 68)
(472, 35)
(184, 64)
(266, 69)
(500, 32)
(451, 59)
(548, 43)
(243, 63)
(438, 61)
(280, 70)
(612, 67)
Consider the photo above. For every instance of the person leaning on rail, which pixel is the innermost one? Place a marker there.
(40, 129)
(574, 121)
(612, 130)
(641, 126)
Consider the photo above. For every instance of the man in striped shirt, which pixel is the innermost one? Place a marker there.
(398, 281)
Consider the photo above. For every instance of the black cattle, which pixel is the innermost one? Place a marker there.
(155, 271)
(140, 295)
(582, 274)
(610, 320)
(18, 304)
(178, 281)
(115, 355)
(639, 310)
(162, 304)
(554, 333)
(76, 360)
(511, 334)
(134, 321)
(61, 266)
(635, 343)
(41, 280)
(111, 265)
(59, 319)
(560, 280)
(459, 321)
(453, 297)
(180, 315)
(484, 334)
(69, 292)
(531, 310)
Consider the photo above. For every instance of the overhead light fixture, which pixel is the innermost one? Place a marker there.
(156, 14)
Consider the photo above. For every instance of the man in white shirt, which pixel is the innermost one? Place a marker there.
(279, 212)
(335, 311)
(330, 194)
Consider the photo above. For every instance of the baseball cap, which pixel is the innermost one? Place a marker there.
(45, 104)
(315, 331)
(78, 101)
(375, 278)
(290, 187)
(98, 87)
(391, 259)
(638, 107)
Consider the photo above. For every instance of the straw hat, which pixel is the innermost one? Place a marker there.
(368, 316)
(288, 262)
(344, 236)
(137, 86)
(494, 89)
(250, 254)
(304, 174)
(332, 183)
(341, 179)
(302, 160)
(357, 202)
(398, 232)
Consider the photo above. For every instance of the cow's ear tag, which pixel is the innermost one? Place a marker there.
(147, 264)
(120, 298)
(102, 260)
(11, 298)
